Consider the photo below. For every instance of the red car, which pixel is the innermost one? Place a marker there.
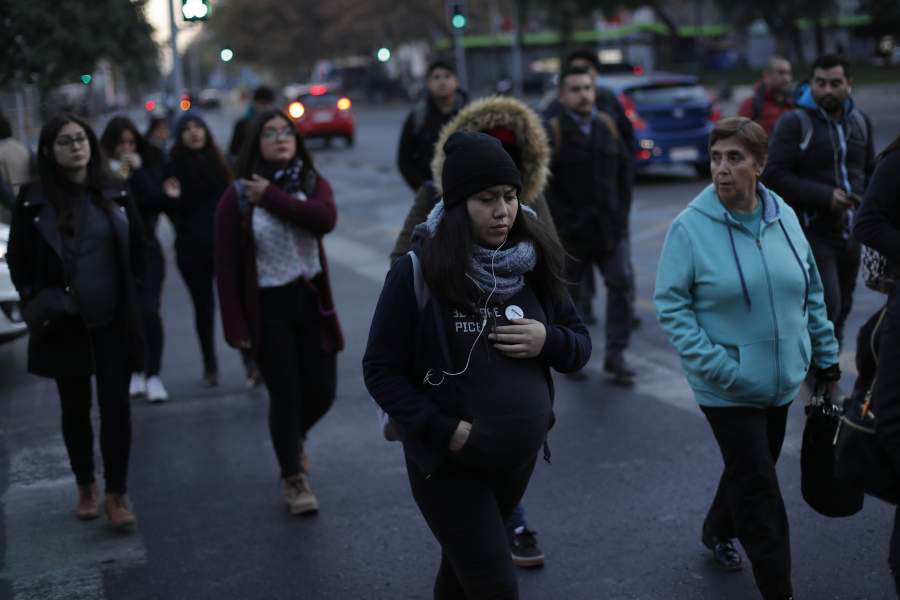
(322, 114)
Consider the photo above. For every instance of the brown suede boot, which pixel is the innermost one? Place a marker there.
(88, 502)
(298, 496)
(117, 511)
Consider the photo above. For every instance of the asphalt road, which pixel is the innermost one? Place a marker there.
(618, 512)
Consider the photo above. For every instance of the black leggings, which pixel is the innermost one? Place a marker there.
(113, 372)
(299, 376)
(467, 512)
(748, 504)
(198, 273)
(151, 299)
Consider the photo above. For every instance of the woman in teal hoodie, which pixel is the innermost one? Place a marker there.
(739, 296)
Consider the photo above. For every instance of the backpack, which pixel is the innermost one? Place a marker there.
(390, 429)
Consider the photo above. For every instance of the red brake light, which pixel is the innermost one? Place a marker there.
(644, 155)
(637, 70)
(631, 112)
(318, 90)
(150, 105)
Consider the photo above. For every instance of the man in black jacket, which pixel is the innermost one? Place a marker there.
(821, 156)
(590, 197)
(425, 121)
(263, 100)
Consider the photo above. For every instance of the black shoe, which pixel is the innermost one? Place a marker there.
(524, 548)
(724, 553)
(621, 373)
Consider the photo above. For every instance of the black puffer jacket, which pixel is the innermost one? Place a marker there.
(63, 348)
(807, 178)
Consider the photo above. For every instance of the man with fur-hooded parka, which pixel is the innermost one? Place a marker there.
(523, 135)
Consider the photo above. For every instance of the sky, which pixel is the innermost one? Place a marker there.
(158, 16)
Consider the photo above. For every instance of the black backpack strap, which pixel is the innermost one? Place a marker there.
(806, 128)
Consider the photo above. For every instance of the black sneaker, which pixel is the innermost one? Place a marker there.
(524, 548)
(621, 373)
(724, 553)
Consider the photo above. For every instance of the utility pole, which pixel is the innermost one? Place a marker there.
(176, 81)
(458, 20)
(516, 54)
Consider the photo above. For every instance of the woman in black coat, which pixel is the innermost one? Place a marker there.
(198, 175)
(878, 226)
(141, 165)
(76, 257)
(459, 357)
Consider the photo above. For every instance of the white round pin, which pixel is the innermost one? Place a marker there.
(513, 312)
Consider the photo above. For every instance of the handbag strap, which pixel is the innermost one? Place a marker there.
(867, 404)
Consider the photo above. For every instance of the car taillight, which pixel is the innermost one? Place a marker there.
(185, 103)
(644, 155)
(296, 110)
(344, 104)
(150, 105)
(631, 112)
(637, 70)
(318, 90)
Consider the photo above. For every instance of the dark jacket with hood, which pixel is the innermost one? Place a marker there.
(839, 154)
(420, 132)
(484, 115)
(61, 346)
(606, 102)
(765, 107)
(590, 186)
(404, 343)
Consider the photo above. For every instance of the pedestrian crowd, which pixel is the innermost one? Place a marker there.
(490, 287)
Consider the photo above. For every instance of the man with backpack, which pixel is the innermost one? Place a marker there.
(821, 157)
(772, 95)
(590, 198)
(442, 101)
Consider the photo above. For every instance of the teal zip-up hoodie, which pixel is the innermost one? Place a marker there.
(746, 313)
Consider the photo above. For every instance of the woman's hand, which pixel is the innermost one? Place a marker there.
(523, 339)
(133, 159)
(172, 188)
(460, 436)
(255, 188)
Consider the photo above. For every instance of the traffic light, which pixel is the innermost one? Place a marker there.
(87, 78)
(458, 15)
(383, 54)
(195, 10)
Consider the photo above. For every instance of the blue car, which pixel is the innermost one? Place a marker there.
(672, 117)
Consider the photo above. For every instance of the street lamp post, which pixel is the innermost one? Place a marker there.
(176, 81)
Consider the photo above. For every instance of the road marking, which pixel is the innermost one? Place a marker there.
(50, 555)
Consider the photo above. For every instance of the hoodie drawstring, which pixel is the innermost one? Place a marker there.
(799, 262)
(737, 261)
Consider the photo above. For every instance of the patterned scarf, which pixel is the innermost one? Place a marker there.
(509, 264)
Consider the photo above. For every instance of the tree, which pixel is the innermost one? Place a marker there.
(51, 42)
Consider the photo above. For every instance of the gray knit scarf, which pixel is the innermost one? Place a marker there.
(509, 264)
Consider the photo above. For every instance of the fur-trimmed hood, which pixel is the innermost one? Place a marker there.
(531, 138)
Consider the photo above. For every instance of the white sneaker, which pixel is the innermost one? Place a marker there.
(138, 386)
(156, 391)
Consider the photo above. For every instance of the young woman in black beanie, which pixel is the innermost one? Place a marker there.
(466, 330)
(76, 257)
(198, 177)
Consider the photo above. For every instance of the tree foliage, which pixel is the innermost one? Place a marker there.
(54, 41)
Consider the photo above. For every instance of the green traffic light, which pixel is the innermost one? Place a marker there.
(458, 21)
(86, 78)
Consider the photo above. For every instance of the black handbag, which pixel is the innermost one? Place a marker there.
(859, 458)
(822, 489)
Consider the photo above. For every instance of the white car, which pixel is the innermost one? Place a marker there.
(11, 323)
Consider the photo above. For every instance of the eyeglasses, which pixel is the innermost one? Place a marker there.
(70, 140)
(274, 134)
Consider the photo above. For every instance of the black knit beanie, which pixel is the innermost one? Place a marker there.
(474, 162)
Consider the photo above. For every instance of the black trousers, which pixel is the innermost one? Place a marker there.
(838, 267)
(616, 271)
(198, 272)
(151, 300)
(467, 511)
(113, 372)
(299, 376)
(748, 503)
(886, 400)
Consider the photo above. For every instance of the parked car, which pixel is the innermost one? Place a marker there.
(11, 323)
(672, 116)
(323, 114)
